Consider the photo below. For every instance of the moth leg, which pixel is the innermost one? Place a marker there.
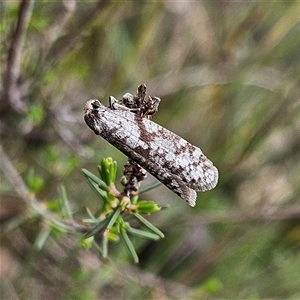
(128, 100)
(114, 104)
(151, 106)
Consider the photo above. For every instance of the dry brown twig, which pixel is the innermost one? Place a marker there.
(12, 90)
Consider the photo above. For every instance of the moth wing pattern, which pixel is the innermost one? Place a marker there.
(179, 165)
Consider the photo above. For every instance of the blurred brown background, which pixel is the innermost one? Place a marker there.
(228, 74)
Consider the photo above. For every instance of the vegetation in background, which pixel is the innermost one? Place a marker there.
(228, 75)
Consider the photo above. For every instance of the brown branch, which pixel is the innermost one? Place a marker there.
(13, 68)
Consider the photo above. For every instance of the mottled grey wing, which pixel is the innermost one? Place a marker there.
(179, 165)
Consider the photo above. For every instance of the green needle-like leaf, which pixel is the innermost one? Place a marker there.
(65, 203)
(95, 181)
(90, 214)
(150, 187)
(149, 225)
(42, 238)
(101, 225)
(105, 246)
(129, 246)
(110, 224)
(113, 227)
(98, 248)
(113, 218)
(144, 234)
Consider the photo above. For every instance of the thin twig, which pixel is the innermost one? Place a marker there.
(29, 199)
(250, 215)
(69, 41)
(13, 68)
(55, 29)
(150, 280)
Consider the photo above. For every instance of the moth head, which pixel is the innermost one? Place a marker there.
(91, 106)
(92, 115)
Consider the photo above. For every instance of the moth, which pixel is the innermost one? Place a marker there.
(179, 165)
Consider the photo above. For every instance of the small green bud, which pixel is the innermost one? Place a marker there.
(144, 207)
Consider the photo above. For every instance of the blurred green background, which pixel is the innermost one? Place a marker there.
(228, 74)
